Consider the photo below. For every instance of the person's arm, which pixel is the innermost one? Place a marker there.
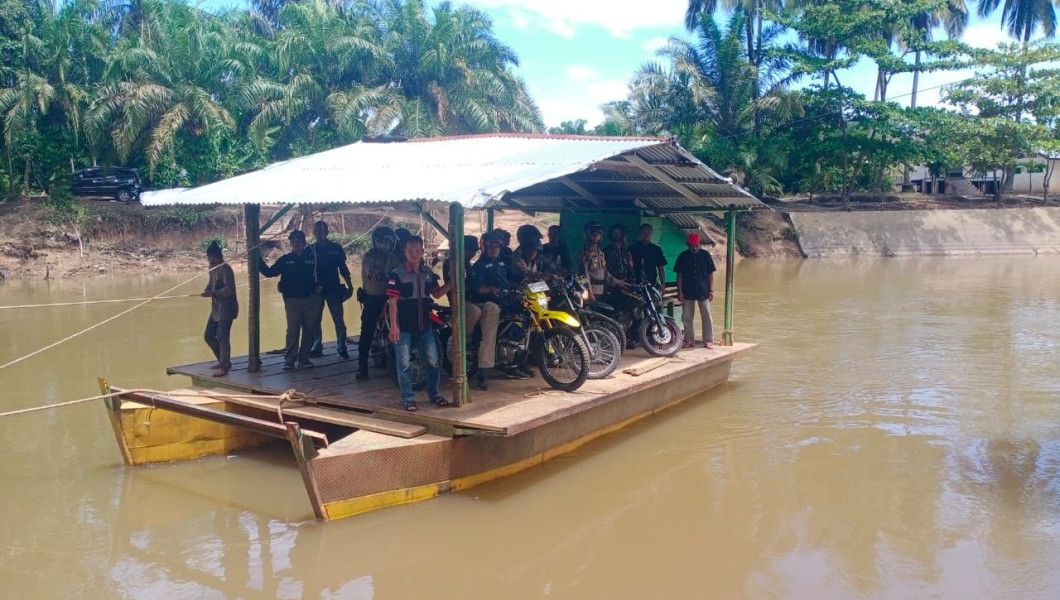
(266, 270)
(661, 265)
(710, 286)
(393, 294)
(344, 270)
(680, 296)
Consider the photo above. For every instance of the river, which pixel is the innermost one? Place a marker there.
(895, 435)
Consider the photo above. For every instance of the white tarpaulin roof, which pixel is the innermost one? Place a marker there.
(478, 171)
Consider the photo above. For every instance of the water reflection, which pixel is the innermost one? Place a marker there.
(896, 435)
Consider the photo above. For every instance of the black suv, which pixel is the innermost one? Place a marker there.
(120, 183)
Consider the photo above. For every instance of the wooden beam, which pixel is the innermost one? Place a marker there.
(664, 178)
(442, 229)
(579, 189)
(252, 214)
(275, 217)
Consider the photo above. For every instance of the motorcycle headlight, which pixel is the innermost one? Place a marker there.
(542, 302)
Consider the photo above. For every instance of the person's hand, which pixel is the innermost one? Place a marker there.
(710, 296)
(348, 294)
(680, 298)
(395, 334)
(207, 294)
(623, 284)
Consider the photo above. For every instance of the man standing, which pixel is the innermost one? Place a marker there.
(616, 255)
(331, 263)
(556, 249)
(376, 266)
(224, 308)
(695, 287)
(410, 290)
(648, 259)
(593, 264)
(301, 298)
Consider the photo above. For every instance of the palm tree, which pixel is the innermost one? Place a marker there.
(447, 74)
(953, 16)
(1023, 17)
(165, 88)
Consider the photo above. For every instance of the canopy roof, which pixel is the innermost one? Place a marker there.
(522, 171)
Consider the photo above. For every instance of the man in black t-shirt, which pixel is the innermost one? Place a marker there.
(301, 300)
(648, 259)
(695, 288)
(331, 263)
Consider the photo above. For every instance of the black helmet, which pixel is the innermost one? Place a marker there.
(470, 244)
(527, 235)
(592, 226)
(382, 234)
(402, 234)
(490, 238)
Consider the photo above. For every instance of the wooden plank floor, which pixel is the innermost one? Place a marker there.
(509, 407)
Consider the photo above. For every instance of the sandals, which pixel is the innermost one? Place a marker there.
(439, 401)
(409, 405)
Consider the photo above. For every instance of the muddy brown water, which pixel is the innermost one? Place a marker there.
(896, 435)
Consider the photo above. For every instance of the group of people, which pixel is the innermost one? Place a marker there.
(398, 285)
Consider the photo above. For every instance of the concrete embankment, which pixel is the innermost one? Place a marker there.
(929, 232)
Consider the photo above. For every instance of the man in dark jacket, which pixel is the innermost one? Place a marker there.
(301, 298)
(648, 259)
(487, 281)
(331, 263)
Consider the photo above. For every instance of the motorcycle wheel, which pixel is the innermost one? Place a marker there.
(605, 352)
(616, 328)
(563, 359)
(660, 340)
(446, 339)
(417, 366)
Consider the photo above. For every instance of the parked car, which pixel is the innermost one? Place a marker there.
(119, 183)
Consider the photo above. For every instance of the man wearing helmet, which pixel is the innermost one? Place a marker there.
(485, 314)
(593, 263)
(487, 281)
(527, 259)
(331, 264)
(619, 262)
(376, 266)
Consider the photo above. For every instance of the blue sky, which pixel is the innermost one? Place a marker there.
(578, 54)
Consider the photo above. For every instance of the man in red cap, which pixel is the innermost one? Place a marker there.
(695, 287)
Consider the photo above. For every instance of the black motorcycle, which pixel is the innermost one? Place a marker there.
(604, 336)
(637, 309)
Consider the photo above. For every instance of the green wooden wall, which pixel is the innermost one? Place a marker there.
(667, 236)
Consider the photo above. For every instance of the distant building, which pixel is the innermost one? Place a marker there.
(964, 181)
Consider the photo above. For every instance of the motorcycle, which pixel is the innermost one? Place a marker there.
(604, 337)
(528, 330)
(639, 314)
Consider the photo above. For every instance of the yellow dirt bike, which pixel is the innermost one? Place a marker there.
(528, 333)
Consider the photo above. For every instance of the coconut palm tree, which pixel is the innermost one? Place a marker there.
(1021, 18)
(446, 74)
(165, 88)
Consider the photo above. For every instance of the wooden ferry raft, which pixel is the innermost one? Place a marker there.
(358, 451)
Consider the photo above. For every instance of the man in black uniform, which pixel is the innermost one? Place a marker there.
(648, 259)
(331, 263)
(376, 266)
(301, 298)
(486, 282)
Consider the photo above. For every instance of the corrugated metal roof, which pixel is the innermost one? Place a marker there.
(478, 171)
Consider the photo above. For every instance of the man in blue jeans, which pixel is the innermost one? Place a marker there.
(331, 263)
(411, 289)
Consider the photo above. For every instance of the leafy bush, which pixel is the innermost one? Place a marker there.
(61, 209)
(352, 242)
(184, 218)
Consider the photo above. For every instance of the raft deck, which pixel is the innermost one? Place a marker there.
(509, 407)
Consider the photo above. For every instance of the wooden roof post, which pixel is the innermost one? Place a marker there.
(730, 267)
(252, 213)
(461, 393)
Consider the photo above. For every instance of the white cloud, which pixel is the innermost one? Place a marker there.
(655, 44)
(985, 35)
(580, 73)
(564, 17)
(570, 103)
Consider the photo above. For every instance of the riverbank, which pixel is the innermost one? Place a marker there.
(41, 239)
